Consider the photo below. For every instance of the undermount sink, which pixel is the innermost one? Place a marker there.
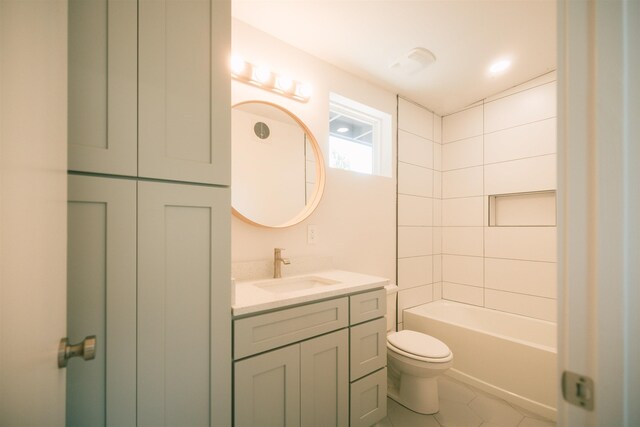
(294, 284)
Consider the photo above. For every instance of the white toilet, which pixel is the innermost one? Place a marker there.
(414, 361)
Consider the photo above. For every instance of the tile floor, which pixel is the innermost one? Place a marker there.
(463, 406)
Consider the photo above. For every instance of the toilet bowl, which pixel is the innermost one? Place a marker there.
(415, 360)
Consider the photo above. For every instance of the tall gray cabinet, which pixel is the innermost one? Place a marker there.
(149, 212)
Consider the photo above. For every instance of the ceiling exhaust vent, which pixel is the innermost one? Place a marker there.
(413, 61)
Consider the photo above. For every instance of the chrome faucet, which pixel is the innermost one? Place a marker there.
(278, 261)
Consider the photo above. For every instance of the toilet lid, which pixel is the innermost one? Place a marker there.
(419, 344)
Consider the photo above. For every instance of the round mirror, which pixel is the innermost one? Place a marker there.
(277, 174)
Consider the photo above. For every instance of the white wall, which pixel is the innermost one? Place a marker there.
(356, 216)
(419, 206)
(504, 144)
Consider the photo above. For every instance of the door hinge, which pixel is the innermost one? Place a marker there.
(578, 390)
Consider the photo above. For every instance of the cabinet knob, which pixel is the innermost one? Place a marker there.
(85, 349)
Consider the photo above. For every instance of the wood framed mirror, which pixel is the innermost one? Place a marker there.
(278, 174)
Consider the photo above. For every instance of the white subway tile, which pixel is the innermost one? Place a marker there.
(462, 154)
(415, 271)
(526, 305)
(437, 129)
(415, 149)
(466, 211)
(414, 241)
(528, 106)
(524, 243)
(437, 212)
(437, 184)
(463, 241)
(461, 125)
(466, 270)
(437, 291)
(532, 174)
(462, 293)
(415, 210)
(415, 119)
(413, 297)
(415, 180)
(462, 182)
(437, 157)
(538, 81)
(437, 268)
(529, 140)
(437, 240)
(524, 277)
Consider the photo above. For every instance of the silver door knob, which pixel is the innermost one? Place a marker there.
(86, 349)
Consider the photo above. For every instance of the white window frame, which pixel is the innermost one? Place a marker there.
(381, 122)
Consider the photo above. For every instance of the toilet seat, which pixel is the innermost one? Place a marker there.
(419, 346)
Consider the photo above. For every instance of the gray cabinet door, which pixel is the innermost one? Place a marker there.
(267, 389)
(184, 90)
(324, 373)
(101, 300)
(183, 271)
(102, 86)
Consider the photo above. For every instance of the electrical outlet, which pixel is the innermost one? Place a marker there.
(312, 234)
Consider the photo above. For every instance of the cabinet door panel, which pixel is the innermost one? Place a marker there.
(369, 399)
(267, 389)
(368, 347)
(183, 266)
(179, 81)
(102, 300)
(324, 393)
(102, 86)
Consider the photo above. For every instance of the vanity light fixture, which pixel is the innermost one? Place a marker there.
(263, 77)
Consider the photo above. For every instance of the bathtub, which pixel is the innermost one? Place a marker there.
(510, 356)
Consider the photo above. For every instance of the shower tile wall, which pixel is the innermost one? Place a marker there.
(504, 144)
(419, 206)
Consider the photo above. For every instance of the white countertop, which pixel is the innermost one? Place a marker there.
(250, 298)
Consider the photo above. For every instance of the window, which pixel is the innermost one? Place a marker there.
(359, 137)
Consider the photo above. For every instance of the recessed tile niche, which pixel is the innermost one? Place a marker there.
(535, 209)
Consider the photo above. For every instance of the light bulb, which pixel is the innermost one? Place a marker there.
(261, 74)
(284, 83)
(238, 65)
(303, 90)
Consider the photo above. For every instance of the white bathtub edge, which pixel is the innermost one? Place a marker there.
(545, 411)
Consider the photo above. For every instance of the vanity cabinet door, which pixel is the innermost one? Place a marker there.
(183, 60)
(102, 86)
(324, 394)
(101, 300)
(267, 389)
(183, 270)
(369, 399)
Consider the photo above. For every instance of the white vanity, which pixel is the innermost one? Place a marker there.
(310, 350)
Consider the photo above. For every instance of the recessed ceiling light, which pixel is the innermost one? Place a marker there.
(499, 66)
(342, 129)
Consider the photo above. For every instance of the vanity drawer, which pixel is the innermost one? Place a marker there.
(368, 347)
(263, 332)
(367, 306)
(369, 399)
